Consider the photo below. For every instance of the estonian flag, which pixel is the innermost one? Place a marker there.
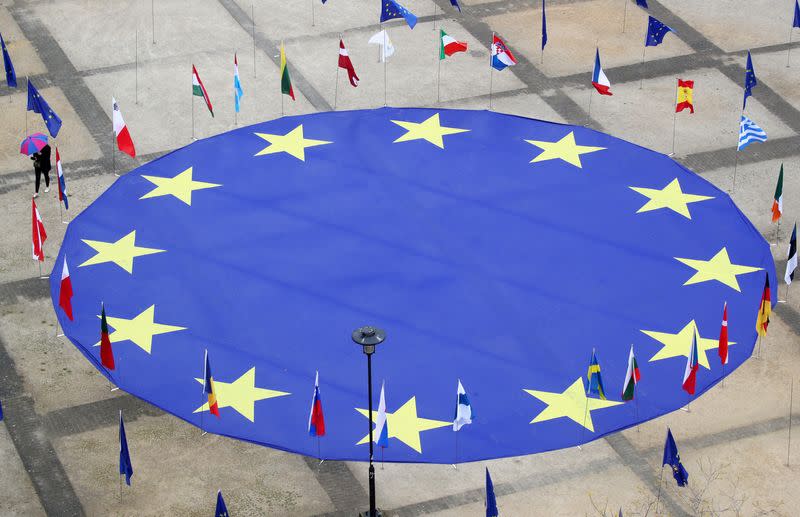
(463, 414)
(791, 264)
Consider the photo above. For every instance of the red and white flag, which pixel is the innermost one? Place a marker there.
(344, 62)
(723, 336)
(690, 373)
(39, 235)
(65, 291)
(124, 142)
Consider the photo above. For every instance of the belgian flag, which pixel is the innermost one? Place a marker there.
(764, 310)
(106, 353)
(208, 389)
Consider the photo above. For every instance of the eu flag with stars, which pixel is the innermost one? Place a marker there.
(544, 26)
(392, 9)
(642, 3)
(655, 32)
(125, 466)
(796, 22)
(37, 104)
(11, 75)
(673, 459)
(749, 80)
(221, 509)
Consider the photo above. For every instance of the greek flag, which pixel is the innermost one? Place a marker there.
(749, 132)
(463, 414)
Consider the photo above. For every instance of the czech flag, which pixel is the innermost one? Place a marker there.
(208, 388)
(316, 420)
(65, 291)
(599, 79)
(690, 373)
(501, 56)
(62, 184)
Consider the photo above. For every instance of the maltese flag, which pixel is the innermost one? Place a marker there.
(599, 79)
(124, 142)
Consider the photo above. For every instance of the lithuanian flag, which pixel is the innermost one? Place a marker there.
(777, 203)
(764, 310)
(208, 389)
(286, 81)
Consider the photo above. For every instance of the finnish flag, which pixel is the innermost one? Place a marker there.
(463, 409)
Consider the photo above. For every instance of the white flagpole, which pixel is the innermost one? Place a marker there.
(674, 120)
(336, 88)
(253, 16)
(385, 68)
(491, 71)
(114, 144)
(438, 67)
(153, 18)
(312, 13)
(789, 50)
(624, 16)
(137, 66)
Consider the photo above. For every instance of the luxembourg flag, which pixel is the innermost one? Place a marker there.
(65, 291)
(381, 425)
(124, 141)
(690, 373)
(62, 184)
(599, 79)
(501, 56)
(237, 85)
(316, 420)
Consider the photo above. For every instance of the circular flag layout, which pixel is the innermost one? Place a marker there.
(495, 251)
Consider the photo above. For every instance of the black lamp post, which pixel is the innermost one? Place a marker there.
(368, 337)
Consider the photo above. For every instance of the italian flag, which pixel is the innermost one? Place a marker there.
(449, 46)
(632, 377)
(199, 90)
(777, 203)
(286, 81)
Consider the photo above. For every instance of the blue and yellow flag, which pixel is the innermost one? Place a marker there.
(595, 380)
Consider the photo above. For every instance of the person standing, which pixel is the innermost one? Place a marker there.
(41, 165)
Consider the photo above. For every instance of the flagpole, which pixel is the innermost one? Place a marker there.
(589, 109)
(789, 444)
(385, 70)
(491, 71)
(435, 10)
(193, 108)
(456, 463)
(660, 482)
(202, 432)
(253, 16)
(789, 50)
(312, 13)
(439, 71)
(235, 93)
(137, 66)
(674, 121)
(153, 18)
(113, 143)
(624, 16)
(641, 80)
(119, 474)
(336, 88)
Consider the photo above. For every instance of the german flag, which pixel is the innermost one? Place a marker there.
(684, 96)
(764, 310)
(106, 353)
(208, 389)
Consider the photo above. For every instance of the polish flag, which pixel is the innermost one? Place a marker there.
(65, 292)
(599, 79)
(124, 142)
(39, 235)
(723, 336)
(344, 62)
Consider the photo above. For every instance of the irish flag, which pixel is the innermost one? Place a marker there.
(690, 373)
(449, 46)
(599, 79)
(286, 82)
(777, 203)
(631, 377)
(199, 90)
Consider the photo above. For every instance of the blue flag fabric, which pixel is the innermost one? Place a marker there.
(750, 79)
(37, 104)
(544, 26)
(454, 3)
(491, 500)
(222, 510)
(796, 21)
(595, 379)
(673, 459)
(125, 466)
(655, 32)
(642, 4)
(1, 411)
(391, 9)
(11, 75)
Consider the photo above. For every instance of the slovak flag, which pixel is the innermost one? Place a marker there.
(599, 79)
(38, 235)
(690, 373)
(381, 425)
(316, 420)
(124, 142)
(65, 291)
(62, 183)
(501, 56)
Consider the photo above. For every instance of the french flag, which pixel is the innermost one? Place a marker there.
(599, 79)
(62, 184)
(65, 291)
(316, 420)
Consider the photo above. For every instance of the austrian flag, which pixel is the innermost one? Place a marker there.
(124, 141)
(38, 235)
(344, 62)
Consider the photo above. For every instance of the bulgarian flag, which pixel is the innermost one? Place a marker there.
(286, 81)
(690, 373)
(632, 377)
(199, 90)
(777, 203)
(449, 46)
(764, 310)
(106, 353)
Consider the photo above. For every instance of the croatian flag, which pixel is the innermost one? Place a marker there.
(501, 56)
(599, 79)
(62, 183)
(316, 420)
(463, 409)
(381, 425)
(65, 291)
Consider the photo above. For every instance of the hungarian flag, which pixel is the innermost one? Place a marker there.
(723, 336)
(764, 309)
(632, 377)
(124, 141)
(684, 96)
(344, 62)
(65, 291)
(106, 354)
(39, 235)
(208, 389)
(449, 46)
(62, 183)
(777, 203)
(690, 373)
(316, 420)
(599, 79)
(791, 263)
(286, 81)
(199, 90)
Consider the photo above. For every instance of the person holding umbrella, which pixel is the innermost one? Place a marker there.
(39, 151)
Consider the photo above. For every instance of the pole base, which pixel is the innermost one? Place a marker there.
(377, 513)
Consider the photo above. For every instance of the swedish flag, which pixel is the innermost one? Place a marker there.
(595, 380)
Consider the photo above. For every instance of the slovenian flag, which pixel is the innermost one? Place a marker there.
(599, 79)
(690, 373)
(208, 389)
(463, 408)
(62, 183)
(316, 420)
(381, 424)
(65, 291)
(501, 56)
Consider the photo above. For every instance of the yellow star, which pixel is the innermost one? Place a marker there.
(677, 345)
(140, 329)
(293, 143)
(429, 130)
(241, 394)
(717, 268)
(180, 186)
(671, 197)
(405, 425)
(121, 252)
(571, 403)
(565, 149)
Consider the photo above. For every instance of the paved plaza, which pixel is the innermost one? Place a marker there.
(58, 441)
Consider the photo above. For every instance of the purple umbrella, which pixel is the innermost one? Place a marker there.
(33, 144)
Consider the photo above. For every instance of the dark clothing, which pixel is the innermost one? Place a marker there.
(39, 173)
(41, 165)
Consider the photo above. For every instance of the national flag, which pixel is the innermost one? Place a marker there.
(599, 79)
(381, 424)
(124, 141)
(684, 96)
(1, 411)
(237, 86)
(722, 349)
(791, 263)
(125, 466)
(642, 3)
(777, 203)
(449, 46)
(65, 291)
(199, 90)
(316, 420)
(39, 235)
(37, 104)
(11, 75)
(391, 9)
(796, 21)
(595, 379)
(764, 309)
(749, 79)
(463, 414)
(208, 388)
(106, 353)
(222, 510)
(655, 32)
(62, 182)
(501, 55)
(286, 81)
(491, 500)
(673, 459)
(344, 62)
(750, 132)
(454, 3)
(382, 39)
(544, 26)
(632, 377)
(690, 372)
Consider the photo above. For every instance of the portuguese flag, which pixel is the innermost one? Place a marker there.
(199, 90)
(764, 310)
(286, 81)
(106, 354)
(777, 203)
(631, 377)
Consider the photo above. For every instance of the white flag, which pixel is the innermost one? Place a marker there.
(382, 39)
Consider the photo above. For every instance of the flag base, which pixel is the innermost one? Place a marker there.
(377, 513)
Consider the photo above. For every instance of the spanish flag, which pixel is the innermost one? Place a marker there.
(286, 82)
(208, 388)
(684, 96)
(764, 310)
